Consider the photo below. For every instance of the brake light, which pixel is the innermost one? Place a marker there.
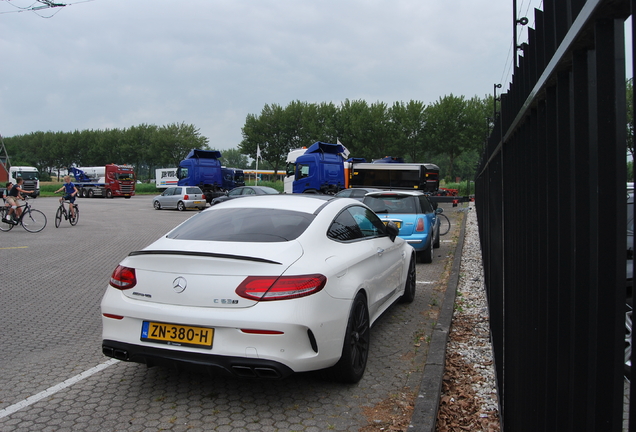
(186, 197)
(123, 278)
(267, 288)
(420, 224)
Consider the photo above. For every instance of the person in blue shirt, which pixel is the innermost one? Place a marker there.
(70, 192)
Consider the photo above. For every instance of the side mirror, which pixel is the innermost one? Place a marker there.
(392, 230)
(439, 210)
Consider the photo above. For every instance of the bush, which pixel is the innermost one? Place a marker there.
(462, 187)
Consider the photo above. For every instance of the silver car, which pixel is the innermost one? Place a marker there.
(181, 198)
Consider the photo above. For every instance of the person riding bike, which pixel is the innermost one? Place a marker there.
(13, 198)
(70, 191)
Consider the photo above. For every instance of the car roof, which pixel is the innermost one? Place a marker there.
(394, 192)
(308, 203)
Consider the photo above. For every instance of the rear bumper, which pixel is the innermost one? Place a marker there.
(237, 366)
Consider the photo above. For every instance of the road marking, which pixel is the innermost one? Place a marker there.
(56, 388)
(14, 247)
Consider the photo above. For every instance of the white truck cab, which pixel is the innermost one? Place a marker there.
(30, 176)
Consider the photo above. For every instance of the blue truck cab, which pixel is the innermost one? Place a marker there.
(320, 169)
(232, 178)
(202, 168)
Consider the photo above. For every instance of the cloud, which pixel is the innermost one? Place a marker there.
(115, 63)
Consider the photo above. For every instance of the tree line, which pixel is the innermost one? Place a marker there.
(449, 132)
(145, 147)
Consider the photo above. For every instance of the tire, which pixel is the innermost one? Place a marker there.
(91, 193)
(409, 286)
(436, 242)
(181, 206)
(74, 220)
(444, 224)
(58, 217)
(34, 221)
(355, 350)
(3, 225)
(156, 205)
(427, 254)
(109, 193)
(628, 341)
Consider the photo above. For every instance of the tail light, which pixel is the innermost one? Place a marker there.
(267, 288)
(123, 278)
(186, 197)
(420, 224)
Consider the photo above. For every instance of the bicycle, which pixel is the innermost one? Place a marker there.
(444, 224)
(61, 212)
(31, 220)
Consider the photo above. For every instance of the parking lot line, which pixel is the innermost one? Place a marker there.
(56, 388)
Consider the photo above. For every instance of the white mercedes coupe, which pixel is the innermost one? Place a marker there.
(263, 286)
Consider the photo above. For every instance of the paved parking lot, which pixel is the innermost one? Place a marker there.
(54, 376)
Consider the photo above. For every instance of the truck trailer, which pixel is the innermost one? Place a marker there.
(104, 181)
(166, 177)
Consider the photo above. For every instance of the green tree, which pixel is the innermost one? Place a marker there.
(455, 125)
(234, 159)
(174, 142)
(272, 132)
(409, 122)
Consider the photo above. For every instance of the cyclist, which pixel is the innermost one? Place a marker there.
(70, 191)
(5, 194)
(13, 198)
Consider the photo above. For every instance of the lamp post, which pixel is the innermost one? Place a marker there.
(494, 101)
(523, 21)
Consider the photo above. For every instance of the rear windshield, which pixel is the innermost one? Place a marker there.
(244, 225)
(193, 190)
(392, 204)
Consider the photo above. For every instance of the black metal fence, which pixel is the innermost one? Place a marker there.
(551, 204)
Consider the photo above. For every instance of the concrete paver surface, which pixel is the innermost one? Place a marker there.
(54, 376)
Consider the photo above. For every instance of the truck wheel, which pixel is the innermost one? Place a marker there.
(109, 193)
(90, 193)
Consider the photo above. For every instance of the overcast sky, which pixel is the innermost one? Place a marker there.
(119, 63)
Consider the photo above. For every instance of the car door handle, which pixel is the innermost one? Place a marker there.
(380, 251)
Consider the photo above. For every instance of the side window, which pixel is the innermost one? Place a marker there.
(425, 204)
(303, 171)
(355, 223)
(248, 191)
(177, 191)
(168, 192)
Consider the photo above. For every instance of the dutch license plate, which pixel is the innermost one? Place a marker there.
(175, 334)
(198, 202)
(397, 224)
